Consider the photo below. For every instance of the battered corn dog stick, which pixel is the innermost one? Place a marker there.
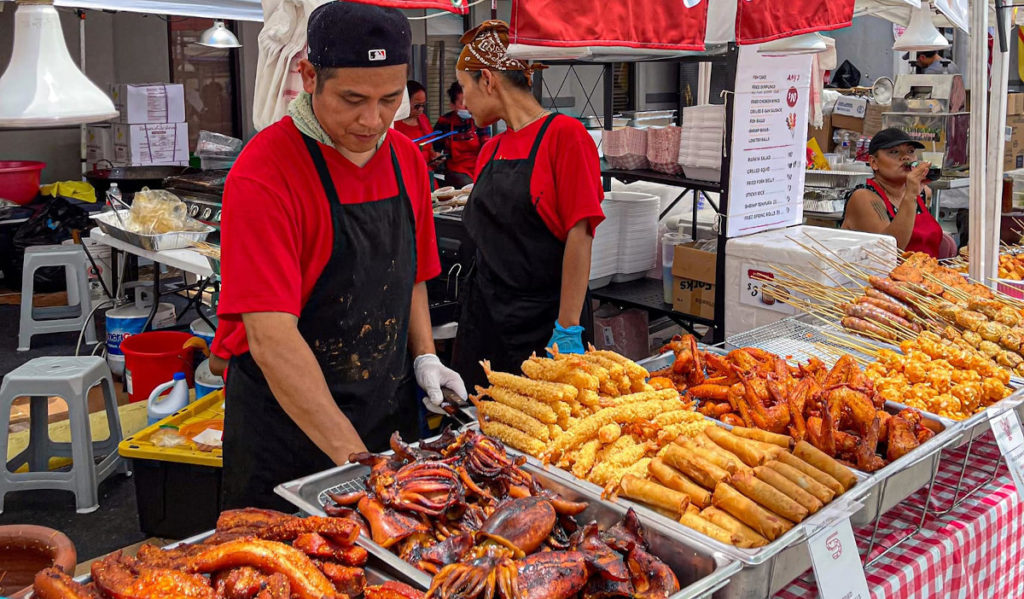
(706, 527)
(745, 510)
(512, 437)
(823, 478)
(820, 491)
(540, 390)
(820, 460)
(745, 450)
(673, 479)
(654, 494)
(768, 496)
(757, 434)
(791, 489)
(492, 410)
(705, 473)
(747, 537)
(527, 405)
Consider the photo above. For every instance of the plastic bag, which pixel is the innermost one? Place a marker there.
(50, 226)
(215, 145)
(157, 211)
(167, 437)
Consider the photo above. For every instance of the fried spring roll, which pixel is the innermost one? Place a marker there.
(765, 523)
(768, 496)
(732, 460)
(822, 478)
(747, 537)
(702, 471)
(820, 460)
(654, 494)
(673, 479)
(743, 448)
(730, 465)
(696, 522)
(818, 490)
(811, 503)
(757, 434)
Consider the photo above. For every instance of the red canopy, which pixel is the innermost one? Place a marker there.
(455, 6)
(759, 21)
(647, 24)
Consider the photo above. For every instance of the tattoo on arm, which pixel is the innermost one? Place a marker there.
(880, 210)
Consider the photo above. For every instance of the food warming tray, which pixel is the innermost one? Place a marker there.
(176, 240)
(701, 571)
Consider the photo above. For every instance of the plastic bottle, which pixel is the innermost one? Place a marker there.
(845, 148)
(114, 196)
(160, 408)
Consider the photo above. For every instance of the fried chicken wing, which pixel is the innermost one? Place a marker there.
(901, 440)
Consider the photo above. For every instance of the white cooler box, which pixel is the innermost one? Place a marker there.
(753, 257)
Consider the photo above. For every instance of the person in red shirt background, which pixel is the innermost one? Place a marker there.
(532, 214)
(327, 239)
(417, 125)
(463, 148)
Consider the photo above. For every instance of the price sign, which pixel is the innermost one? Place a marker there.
(836, 562)
(753, 291)
(1006, 428)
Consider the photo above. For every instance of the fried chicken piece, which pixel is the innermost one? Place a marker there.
(901, 440)
(53, 583)
(120, 577)
(306, 580)
(867, 459)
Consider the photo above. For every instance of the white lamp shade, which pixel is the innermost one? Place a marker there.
(808, 43)
(921, 35)
(218, 36)
(42, 86)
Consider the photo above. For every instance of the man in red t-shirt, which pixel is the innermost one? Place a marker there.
(327, 241)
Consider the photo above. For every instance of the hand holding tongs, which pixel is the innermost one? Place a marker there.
(452, 404)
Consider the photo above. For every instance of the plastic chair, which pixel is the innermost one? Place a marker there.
(70, 379)
(58, 319)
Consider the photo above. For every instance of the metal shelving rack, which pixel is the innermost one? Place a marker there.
(640, 294)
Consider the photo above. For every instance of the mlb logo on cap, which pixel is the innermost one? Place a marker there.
(377, 55)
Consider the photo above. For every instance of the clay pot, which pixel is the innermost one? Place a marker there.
(27, 549)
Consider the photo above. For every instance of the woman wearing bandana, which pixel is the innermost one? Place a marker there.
(532, 214)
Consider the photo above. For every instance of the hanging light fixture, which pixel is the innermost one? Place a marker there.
(808, 43)
(921, 35)
(42, 86)
(218, 36)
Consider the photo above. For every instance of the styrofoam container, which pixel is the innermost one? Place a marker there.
(772, 252)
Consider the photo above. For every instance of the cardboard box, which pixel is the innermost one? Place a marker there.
(622, 331)
(693, 278)
(873, 119)
(851, 106)
(149, 103)
(823, 135)
(99, 145)
(1013, 154)
(140, 145)
(840, 121)
(1014, 104)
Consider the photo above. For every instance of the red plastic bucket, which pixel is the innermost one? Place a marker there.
(151, 359)
(19, 180)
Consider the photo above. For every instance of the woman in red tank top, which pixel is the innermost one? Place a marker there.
(893, 201)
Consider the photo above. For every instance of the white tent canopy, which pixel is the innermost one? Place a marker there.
(234, 10)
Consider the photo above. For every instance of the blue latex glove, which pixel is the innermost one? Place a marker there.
(569, 340)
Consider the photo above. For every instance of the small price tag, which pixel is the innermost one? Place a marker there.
(1006, 428)
(837, 565)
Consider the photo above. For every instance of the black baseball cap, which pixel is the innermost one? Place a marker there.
(890, 138)
(353, 34)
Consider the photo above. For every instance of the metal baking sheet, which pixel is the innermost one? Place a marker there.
(796, 341)
(701, 571)
(177, 240)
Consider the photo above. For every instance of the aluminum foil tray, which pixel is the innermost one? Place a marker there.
(177, 240)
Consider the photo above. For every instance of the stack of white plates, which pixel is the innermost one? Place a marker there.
(626, 243)
(701, 142)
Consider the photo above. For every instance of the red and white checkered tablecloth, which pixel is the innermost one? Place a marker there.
(974, 552)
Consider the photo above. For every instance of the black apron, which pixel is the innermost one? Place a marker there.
(356, 321)
(512, 298)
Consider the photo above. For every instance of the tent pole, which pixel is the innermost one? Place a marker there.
(979, 265)
(996, 127)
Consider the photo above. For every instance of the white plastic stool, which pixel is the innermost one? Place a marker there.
(70, 379)
(57, 319)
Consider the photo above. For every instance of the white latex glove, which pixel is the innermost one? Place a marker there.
(431, 375)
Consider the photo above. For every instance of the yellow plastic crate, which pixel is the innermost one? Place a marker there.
(210, 407)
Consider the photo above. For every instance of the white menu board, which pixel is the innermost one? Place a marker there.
(766, 178)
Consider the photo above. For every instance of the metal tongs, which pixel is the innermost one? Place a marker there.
(453, 405)
(116, 210)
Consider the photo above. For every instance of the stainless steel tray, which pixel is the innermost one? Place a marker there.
(798, 341)
(978, 424)
(177, 240)
(701, 571)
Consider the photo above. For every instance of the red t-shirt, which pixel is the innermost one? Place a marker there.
(420, 129)
(276, 232)
(566, 184)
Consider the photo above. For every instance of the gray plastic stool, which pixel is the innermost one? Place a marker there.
(57, 319)
(70, 379)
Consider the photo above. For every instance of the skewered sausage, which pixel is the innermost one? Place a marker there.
(868, 328)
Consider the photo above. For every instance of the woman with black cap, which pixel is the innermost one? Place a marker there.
(893, 201)
(532, 215)
(327, 241)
